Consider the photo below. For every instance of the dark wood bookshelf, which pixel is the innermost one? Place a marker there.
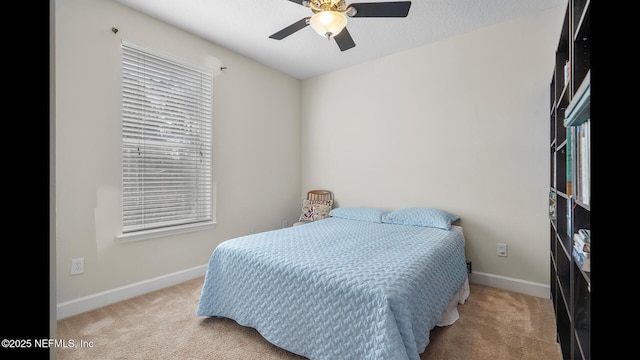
(570, 184)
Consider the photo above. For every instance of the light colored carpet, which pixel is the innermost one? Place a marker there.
(494, 324)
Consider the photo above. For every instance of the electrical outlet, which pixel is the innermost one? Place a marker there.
(502, 250)
(284, 223)
(77, 266)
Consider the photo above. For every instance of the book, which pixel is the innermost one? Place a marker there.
(567, 72)
(583, 161)
(581, 242)
(552, 205)
(569, 170)
(582, 260)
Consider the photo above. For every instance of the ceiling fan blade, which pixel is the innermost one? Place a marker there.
(300, 24)
(301, 2)
(344, 40)
(382, 9)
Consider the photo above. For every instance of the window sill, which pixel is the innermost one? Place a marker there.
(156, 233)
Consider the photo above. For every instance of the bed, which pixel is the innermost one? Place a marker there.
(364, 283)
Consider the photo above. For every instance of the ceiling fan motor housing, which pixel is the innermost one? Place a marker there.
(327, 5)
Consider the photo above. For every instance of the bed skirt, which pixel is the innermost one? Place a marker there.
(451, 314)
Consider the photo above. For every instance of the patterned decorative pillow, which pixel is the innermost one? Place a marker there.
(313, 210)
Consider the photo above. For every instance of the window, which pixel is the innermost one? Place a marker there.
(166, 144)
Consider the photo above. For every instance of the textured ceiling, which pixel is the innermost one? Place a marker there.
(244, 26)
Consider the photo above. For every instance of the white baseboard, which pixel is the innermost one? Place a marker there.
(91, 302)
(511, 284)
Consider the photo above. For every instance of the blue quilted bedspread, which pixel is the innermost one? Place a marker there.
(338, 288)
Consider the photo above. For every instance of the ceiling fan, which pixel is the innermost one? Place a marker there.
(330, 18)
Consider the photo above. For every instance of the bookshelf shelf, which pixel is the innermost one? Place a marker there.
(570, 184)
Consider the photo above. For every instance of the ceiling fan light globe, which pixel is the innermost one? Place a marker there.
(328, 23)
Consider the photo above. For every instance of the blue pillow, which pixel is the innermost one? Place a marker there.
(359, 213)
(420, 216)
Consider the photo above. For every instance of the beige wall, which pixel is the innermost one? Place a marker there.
(256, 141)
(461, 125)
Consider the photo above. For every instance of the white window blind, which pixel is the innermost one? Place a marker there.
(166, 142)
